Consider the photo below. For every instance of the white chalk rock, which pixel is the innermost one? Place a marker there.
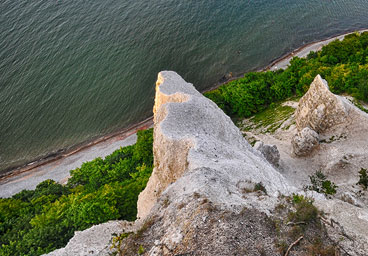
(194, 138)
(270, 152)
(94, 241)
(319, 109)
(304, 142)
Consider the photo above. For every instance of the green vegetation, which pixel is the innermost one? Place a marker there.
(344, 64)
(260, 187)
(321, 184)
(305, 211)
(141, 250)
(39, 221)
(302, 223)
(363, 178)
(117, 240)
(359, 105)
(270, 119)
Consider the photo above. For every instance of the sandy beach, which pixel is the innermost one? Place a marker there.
(303, 51)
(284, 61)
(58, 167)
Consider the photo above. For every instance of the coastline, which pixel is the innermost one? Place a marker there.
(283, 61)
(62, 153)
(47, 163)
(59, 167)
(74, 150)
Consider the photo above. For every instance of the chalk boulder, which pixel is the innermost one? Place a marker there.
(305, 142)
(270, 152)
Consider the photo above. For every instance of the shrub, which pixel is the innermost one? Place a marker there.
(305, 211)
(260, 187)
(39, 221)
(363, 178)
(320, 184)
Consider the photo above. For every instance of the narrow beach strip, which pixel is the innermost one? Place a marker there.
(58, 167)
(283, 62)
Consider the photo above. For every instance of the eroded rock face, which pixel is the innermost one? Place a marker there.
(200, 199)
(305, 141)
(319, 109)
(192, 133)
(270, 152)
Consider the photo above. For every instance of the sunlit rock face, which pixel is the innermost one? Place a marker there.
(319, 109)
(192, 133)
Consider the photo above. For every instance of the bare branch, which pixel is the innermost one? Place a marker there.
(292, 245)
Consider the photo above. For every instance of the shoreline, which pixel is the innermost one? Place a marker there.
(64, 154)
(283, 61)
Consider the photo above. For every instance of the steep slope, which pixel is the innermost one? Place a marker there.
(341, 150)
(192, 135)
(211, 193)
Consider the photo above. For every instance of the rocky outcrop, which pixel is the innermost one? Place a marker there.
(319, 109)
(96, 240)
(195, 141)
(305, 141)
(211, 193)
(270, 152)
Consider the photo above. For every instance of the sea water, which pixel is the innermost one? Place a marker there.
(71, 71)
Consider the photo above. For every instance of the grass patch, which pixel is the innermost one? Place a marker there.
(359, 105)
(270, 119)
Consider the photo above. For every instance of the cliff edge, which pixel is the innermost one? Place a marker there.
(193, 136)
(211, 193)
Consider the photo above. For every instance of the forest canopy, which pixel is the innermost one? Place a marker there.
(344, 64)
(34, 222)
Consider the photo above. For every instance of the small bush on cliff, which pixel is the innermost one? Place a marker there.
(39, 221)
(321, 184)
(260, 187)
(363, 178)
(305, 211)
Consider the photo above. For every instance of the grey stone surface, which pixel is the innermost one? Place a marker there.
(304, 142)
(270, 152)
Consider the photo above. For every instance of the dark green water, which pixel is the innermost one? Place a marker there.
(71, 71)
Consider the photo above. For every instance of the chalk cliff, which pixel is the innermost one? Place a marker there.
(320, 109)
(192, 135)
(211, 193)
